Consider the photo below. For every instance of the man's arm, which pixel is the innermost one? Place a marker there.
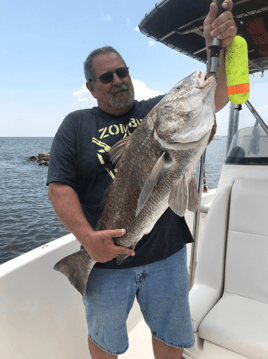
(99, 245)
(224, 28)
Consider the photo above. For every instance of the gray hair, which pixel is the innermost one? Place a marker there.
(88, 64)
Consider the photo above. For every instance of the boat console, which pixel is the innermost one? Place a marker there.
(229, 298)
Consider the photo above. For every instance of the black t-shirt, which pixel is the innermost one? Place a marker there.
(79, 159)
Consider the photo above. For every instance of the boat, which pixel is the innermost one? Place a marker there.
(42, 316)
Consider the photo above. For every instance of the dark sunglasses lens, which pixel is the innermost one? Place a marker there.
(107, 77)
(122, 72)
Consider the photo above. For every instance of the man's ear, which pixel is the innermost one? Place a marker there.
(91, 89)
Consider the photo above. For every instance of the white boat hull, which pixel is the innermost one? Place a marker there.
(41, 314)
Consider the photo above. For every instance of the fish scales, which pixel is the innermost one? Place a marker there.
(153, 209)
(130, 179)
(128, 183)
(154, 170)
(124, 213)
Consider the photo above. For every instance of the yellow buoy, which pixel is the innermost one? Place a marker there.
(237, 71)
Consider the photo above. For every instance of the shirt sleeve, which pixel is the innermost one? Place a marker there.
(63, 165)
(157, 99)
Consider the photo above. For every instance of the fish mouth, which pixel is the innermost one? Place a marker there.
(203, 82)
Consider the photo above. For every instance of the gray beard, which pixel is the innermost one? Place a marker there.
(116, 103)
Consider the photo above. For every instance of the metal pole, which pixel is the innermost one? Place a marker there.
(257, 116)
(236, 121)
(230, 126)
(197, 219)
(233, 124)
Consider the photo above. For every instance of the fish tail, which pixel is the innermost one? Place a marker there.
(77, 269)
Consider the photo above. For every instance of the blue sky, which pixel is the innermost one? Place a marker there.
(44, 45)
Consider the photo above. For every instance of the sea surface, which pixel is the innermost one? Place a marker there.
(27, 217)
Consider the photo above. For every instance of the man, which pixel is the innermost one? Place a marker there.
(79, 173)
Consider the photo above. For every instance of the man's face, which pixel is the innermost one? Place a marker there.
(117, 96)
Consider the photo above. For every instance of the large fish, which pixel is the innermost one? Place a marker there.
(155, 168)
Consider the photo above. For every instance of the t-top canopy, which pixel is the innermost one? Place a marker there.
(179, 25)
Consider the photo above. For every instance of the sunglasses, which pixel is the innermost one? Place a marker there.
(107, 77)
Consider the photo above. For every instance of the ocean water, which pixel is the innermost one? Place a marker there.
(27, 217)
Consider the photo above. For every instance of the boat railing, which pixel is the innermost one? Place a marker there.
(232, 130)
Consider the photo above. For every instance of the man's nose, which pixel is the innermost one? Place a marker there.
(116, 80)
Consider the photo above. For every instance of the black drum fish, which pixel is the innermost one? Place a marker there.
(167, 145)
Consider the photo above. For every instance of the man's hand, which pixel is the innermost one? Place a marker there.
(222, 27)
(100, 245)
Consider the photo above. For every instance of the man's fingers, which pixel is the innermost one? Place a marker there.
(116, 250)
(123, 250)
(222, 27)
(223, 22)
(228, 5)
(213, 10)
(109, 233)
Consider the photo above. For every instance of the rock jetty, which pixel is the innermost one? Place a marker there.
(41, 158)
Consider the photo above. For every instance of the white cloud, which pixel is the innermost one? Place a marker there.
(84, 95)
(142, 92)
(106, 18)
(151, 43)
(128, 22)
(264, 109)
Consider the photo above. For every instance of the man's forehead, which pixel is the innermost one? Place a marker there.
(106, 62)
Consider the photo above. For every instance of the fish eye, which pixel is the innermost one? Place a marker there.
(178, 88)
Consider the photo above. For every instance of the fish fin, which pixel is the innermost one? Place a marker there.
(178, 198)
(158, 172)
(117, 150)
(76, 267)
(120, 258)
(192, 195)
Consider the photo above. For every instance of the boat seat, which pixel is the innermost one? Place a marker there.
(229, 298)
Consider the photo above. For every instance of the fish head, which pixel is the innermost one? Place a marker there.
(187, 112)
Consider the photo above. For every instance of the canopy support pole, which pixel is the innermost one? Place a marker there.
(197, 219)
